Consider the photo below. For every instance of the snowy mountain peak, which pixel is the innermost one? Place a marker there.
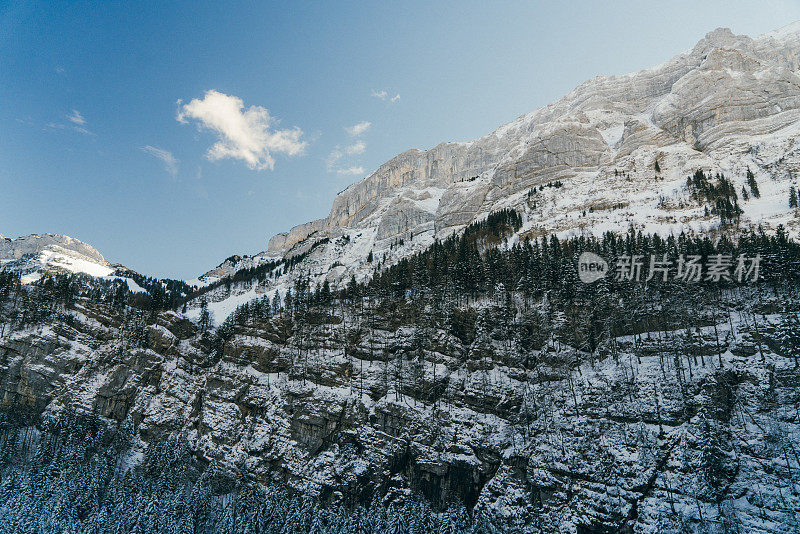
(618, 147)
(790, 31)
(34, 255)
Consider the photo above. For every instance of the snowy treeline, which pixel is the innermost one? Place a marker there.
(489, 376)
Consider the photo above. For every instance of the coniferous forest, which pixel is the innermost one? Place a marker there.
(512, 314)
(74, 473)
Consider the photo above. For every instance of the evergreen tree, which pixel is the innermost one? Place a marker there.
(204, 322)
(751, 182)
(788, 335)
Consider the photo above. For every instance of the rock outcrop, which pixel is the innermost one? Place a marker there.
(546, 440)
(598, 125)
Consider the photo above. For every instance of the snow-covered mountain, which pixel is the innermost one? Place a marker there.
(34, 255)
(622, 146)
(496, 391)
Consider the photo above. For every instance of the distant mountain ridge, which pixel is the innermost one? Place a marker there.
(35, 255)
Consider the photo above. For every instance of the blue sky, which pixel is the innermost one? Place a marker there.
(109, 131)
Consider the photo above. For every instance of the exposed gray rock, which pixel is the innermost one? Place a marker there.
(342, 410)
(668, 105)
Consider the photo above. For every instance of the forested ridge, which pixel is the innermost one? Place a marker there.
(476, 385)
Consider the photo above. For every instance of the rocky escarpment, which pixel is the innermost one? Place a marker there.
(612, 154)
(598, 125)
(657, 432)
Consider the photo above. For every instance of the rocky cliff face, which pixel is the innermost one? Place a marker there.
(728, 105)
(666, 433)
(600, 125)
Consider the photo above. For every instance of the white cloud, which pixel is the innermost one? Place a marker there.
(243, 134)
(356, 148)
(337, 154)
(333, 158)
(76, 117)
(75, 126)
(170, 161)
(358, 129)
(333, 164)
(354, 171)
(384, 95)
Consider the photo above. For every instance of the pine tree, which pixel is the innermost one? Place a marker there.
(792, 197)
(713, 460)
(205, 316)
(788, 334)
(751, 182)
(325, 293)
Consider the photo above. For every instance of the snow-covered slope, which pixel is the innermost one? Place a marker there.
(729, 104)
(34, 255)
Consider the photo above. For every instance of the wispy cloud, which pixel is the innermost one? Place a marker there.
(78, 124)
(353, 171)
(76, 118)
(243, 133)
(170, 161)
(356, 148)
(385, 96)
(358, 129)
(334, 163)
(334, 160)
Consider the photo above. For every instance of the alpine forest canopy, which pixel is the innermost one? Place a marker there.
(518, 305)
